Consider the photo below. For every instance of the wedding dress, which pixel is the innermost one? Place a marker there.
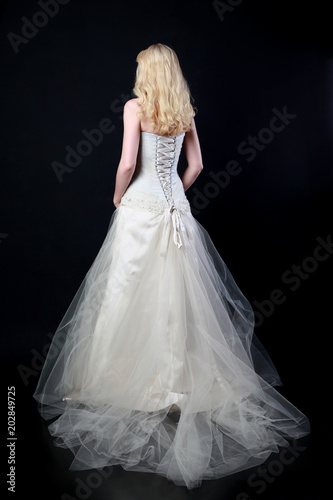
(155, 365)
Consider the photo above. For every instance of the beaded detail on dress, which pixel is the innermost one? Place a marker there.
(154, 205)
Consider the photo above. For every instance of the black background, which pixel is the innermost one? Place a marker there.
(79, 69)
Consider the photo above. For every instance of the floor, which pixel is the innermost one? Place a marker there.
(41, 469)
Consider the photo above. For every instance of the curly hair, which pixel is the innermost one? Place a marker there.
(163, 92)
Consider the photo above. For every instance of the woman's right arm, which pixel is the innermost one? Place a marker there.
(193, 155)
(131, 139)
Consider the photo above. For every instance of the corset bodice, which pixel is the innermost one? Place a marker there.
(156, 185)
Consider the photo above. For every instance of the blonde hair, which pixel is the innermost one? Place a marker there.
(164, 95)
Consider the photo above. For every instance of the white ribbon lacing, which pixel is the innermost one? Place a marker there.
(165, 157)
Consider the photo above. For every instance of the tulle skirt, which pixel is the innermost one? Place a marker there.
(155, 365)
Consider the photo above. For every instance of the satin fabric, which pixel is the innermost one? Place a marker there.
(157, 367)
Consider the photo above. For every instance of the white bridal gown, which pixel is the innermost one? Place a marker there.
(154, 365)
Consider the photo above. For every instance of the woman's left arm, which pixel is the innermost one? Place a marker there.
(131, 140)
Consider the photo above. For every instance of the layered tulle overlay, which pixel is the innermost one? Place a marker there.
(155, 365)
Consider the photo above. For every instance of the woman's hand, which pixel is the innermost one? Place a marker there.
(116, 202)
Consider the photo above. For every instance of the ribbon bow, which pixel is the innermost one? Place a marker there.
(177, 226)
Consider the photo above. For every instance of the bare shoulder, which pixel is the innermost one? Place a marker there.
(132, 104)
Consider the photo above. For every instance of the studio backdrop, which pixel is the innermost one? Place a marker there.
(260, 75)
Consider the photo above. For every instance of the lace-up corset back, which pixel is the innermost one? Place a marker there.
(156, 185)
(165, 161)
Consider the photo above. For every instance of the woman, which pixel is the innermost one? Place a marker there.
(158, 368)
